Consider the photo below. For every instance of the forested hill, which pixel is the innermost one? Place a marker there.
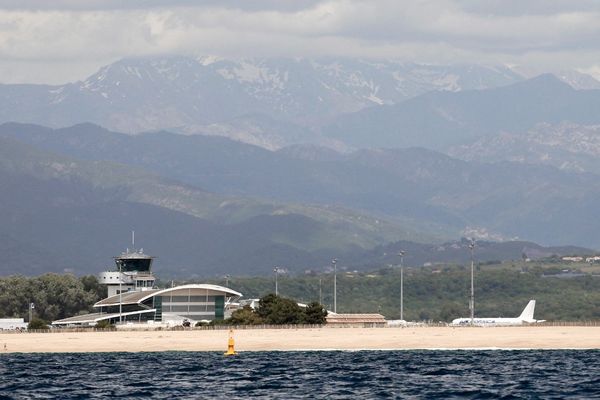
(430, 294)
(430, 196)
(441, 293)
(210, 206)
(63, 214)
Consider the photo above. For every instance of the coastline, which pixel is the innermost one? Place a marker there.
(308, 339)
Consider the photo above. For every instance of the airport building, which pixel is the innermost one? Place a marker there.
(12, 324)
(133, 298)
(133, 273)
(356, 320)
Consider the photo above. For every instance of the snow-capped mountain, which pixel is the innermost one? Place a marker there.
(270, 102)
(578, 80)
(204, 94)
(440, 120)
(303, 89)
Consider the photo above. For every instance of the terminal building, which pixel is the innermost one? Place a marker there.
(132, 297)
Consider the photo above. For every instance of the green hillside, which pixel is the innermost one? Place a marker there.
(63, 214)
(430, 294)
(431, 196)
(442, 293)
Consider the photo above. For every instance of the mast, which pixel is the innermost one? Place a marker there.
(472, 299)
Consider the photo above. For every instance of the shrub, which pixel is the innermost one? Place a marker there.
(104, 324)
(315, 313)
(279, 310)
(37, 323)
(245, 316)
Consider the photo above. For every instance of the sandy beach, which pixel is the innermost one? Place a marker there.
(571, 337)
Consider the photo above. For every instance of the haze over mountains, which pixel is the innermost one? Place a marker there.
(441, 119)
(136, 95)
(412, 194)
(429, 154)
(67, 214)
(340, 103)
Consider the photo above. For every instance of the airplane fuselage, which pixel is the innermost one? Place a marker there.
(526, 317)
(490, 321)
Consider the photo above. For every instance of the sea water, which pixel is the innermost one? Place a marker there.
(440, 374)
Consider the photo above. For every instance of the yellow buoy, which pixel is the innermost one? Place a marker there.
(230, 345)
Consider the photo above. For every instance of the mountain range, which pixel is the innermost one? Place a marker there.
(568, 146)
(438, 120)
(59, 213)
(134, 95)
(62, 214)
(340, 103)
(424, 194)
(234, 166)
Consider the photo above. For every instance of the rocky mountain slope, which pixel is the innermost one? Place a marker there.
(339, 103)
(439, 120)
(60, 213)
(427, 192)
(271, 102)
(568, 146)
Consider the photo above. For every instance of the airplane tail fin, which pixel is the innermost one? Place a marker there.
(527, 314)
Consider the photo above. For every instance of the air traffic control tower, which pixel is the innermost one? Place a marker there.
(133, 273)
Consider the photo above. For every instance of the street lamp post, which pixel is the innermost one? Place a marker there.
(472, 300)
(120, 291)
(401, 253)
(277, 270)
(227, 280)
(320, 292)
(334, 263)
(31, 307)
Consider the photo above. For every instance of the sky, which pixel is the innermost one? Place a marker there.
(62, 41)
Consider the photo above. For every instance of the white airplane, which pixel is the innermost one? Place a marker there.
(396, 322)
(525, 317)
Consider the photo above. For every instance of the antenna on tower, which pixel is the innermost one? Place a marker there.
(133, 239)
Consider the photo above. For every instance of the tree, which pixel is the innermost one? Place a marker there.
(91, 284)
(37, 323)
(286, 311)
(315, 313)
(15, 296)
(245, 316)
(59, 296)
(279, 310)
(266, 304)
(55, 296)
(450, 311)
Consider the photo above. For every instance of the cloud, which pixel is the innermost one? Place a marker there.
(529, 7)
(66, 40)
(105, 5)
(593, 70)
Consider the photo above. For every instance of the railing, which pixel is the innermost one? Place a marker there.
(569, 323)
(146, 327)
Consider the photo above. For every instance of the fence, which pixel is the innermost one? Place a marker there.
(144, 327)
